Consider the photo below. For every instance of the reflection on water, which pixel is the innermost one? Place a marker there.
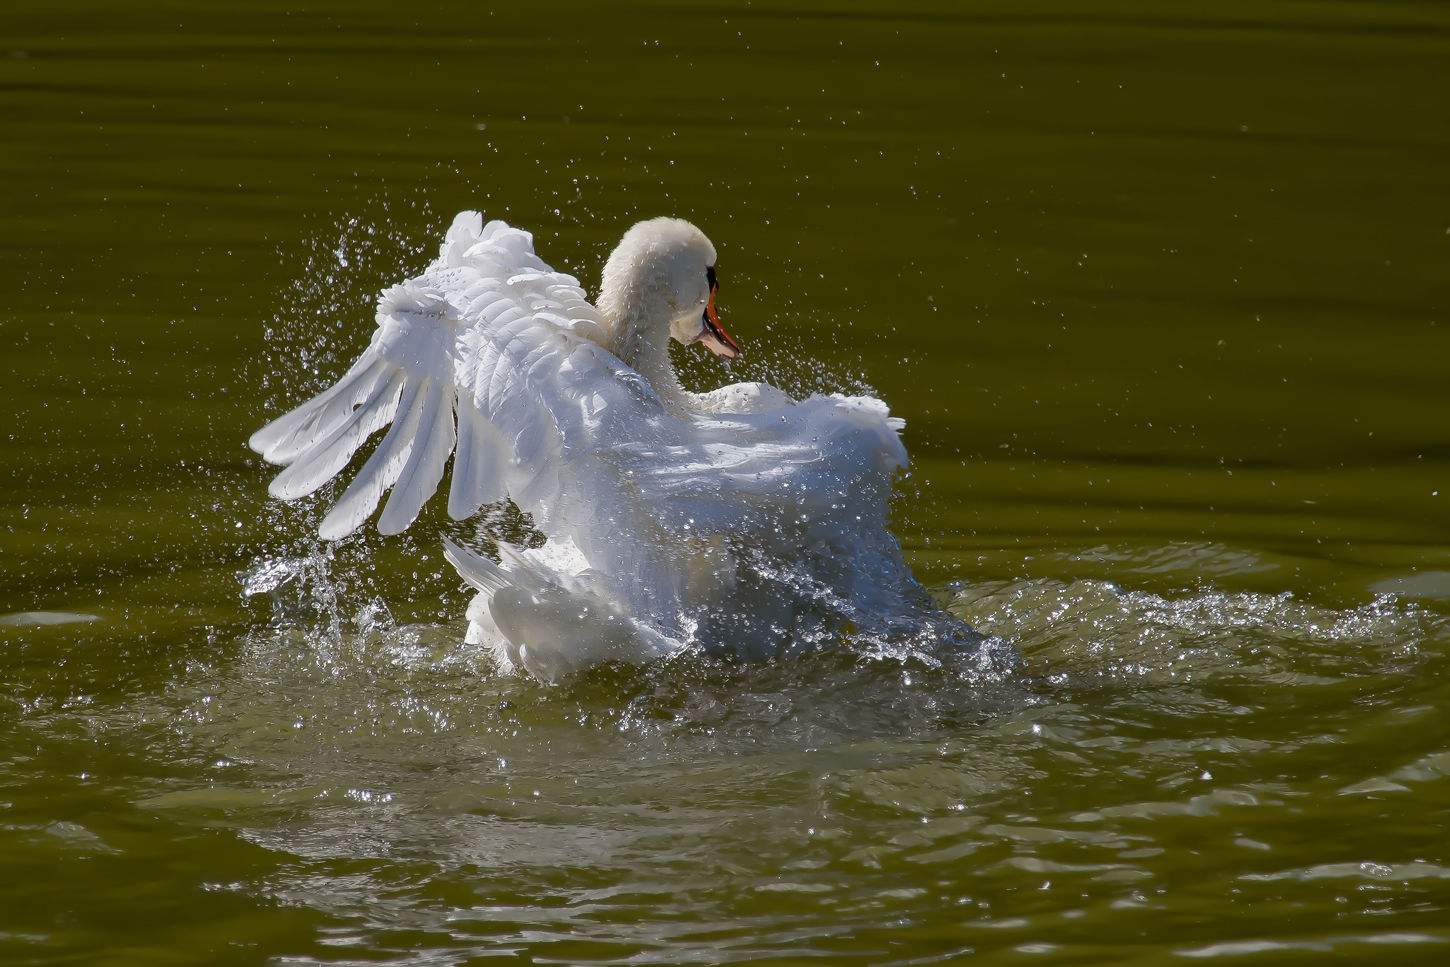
(1160, 293)
(22, 619)
(1429, 584)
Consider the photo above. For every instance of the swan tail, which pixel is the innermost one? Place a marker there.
(475, 569)
(555, 631)
(486, 576)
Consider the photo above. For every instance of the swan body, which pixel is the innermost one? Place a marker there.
(740, 520)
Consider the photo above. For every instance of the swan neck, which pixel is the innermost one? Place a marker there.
(639, 317)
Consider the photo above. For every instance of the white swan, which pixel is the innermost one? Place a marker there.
(740, 520)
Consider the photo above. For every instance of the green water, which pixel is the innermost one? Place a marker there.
(1160, 289)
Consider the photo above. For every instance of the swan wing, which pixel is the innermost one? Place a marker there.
(482, 334)
(666, 510)
(493, 358)
(822, 459)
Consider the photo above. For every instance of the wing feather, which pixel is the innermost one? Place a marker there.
(285, 438)
(479, 464)
(379, 473)
(419, 477)
(492, 352)
(436, 346)
(324, 458)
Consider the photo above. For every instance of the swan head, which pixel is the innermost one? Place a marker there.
(671, 261)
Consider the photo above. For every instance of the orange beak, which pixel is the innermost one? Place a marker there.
(713, 336)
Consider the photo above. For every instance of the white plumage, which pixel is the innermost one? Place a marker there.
(738, 520)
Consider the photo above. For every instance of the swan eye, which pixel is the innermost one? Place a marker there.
(710, 277)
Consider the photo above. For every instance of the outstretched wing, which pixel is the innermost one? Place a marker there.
(484, 333)
(493, 353)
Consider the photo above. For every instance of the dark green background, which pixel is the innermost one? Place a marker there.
(1160, 289)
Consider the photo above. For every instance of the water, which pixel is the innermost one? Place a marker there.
(1161, 293)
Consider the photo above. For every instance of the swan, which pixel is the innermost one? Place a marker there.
(740, 520)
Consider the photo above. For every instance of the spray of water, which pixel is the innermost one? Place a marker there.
(869, 602)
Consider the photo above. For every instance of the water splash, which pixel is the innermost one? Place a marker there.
(1095, 631)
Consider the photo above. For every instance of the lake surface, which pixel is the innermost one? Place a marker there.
(1161, 290)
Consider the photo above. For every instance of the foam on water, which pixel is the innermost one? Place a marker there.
(1094, 631)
